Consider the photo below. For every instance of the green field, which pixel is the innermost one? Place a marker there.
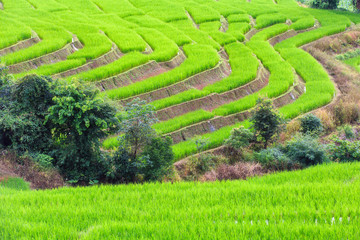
(118, 38)
(317, 203)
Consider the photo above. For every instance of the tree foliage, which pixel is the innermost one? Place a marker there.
(266, 121)
(56, 121)
(135, 124)
(79, 120)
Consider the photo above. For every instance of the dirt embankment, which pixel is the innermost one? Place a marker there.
(13, 166)
(251, 33)
(224, 24)
(140, 73)
(20, 45)
(282, 37)
(57, 56)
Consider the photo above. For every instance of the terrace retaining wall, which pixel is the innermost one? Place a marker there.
(215, 100)
(222, 121)
(140, 73)
(57, 56)
(105, 59)
(20, 45)
(198, 81)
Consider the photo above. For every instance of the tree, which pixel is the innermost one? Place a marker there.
(142, 154)
(160, 159)
(266, 121)
(79, 120)
(22, 114)
(135, 124)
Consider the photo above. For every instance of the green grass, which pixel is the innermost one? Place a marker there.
(50, 69)
(354, 62)
(12, 32)
(182, 121)
(179, 37)
(317, 203)
(238, 18)
(52, 38)
(14, 183)
(163, 48)
(125, 39)
(310, 36)
(202, 13)
(194, 34)
(303, 23)
(121, 7)
(266, 20)
(270, 32)
(123, 64)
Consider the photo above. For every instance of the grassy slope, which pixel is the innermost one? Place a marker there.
(320, 202)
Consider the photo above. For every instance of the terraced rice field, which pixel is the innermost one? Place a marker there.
(201, 63)
(317, 203)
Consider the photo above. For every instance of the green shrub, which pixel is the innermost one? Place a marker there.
(349, 131)
(306, 150)
(274, 159)
(160, 157)
(266, 121)
(311, 124)
(325, 4)
(344, 150)
(240, 137)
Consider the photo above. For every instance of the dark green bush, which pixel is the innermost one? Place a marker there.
(274, 159)
(160, 159)
(306, 150)
(266, 121)
(344, 150)
(325, 4)
(311, 124)
(240, 138)
(79, 119)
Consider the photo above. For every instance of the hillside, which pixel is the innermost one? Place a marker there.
(317, 203)
(201, 63)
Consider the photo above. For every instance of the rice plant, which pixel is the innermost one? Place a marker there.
(199, 58)
(310, 203)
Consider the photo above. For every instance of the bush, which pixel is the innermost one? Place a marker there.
(160, 159)
(198, 165)
(344, 151)
(239, 138)
(311, 124)
(266, 121)
(123, 168)
(232, 172)
(349, 132)
(142, 155)
(326, 119)
(346, 112)
(325, 4)
(274, 159)
(306, 150)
